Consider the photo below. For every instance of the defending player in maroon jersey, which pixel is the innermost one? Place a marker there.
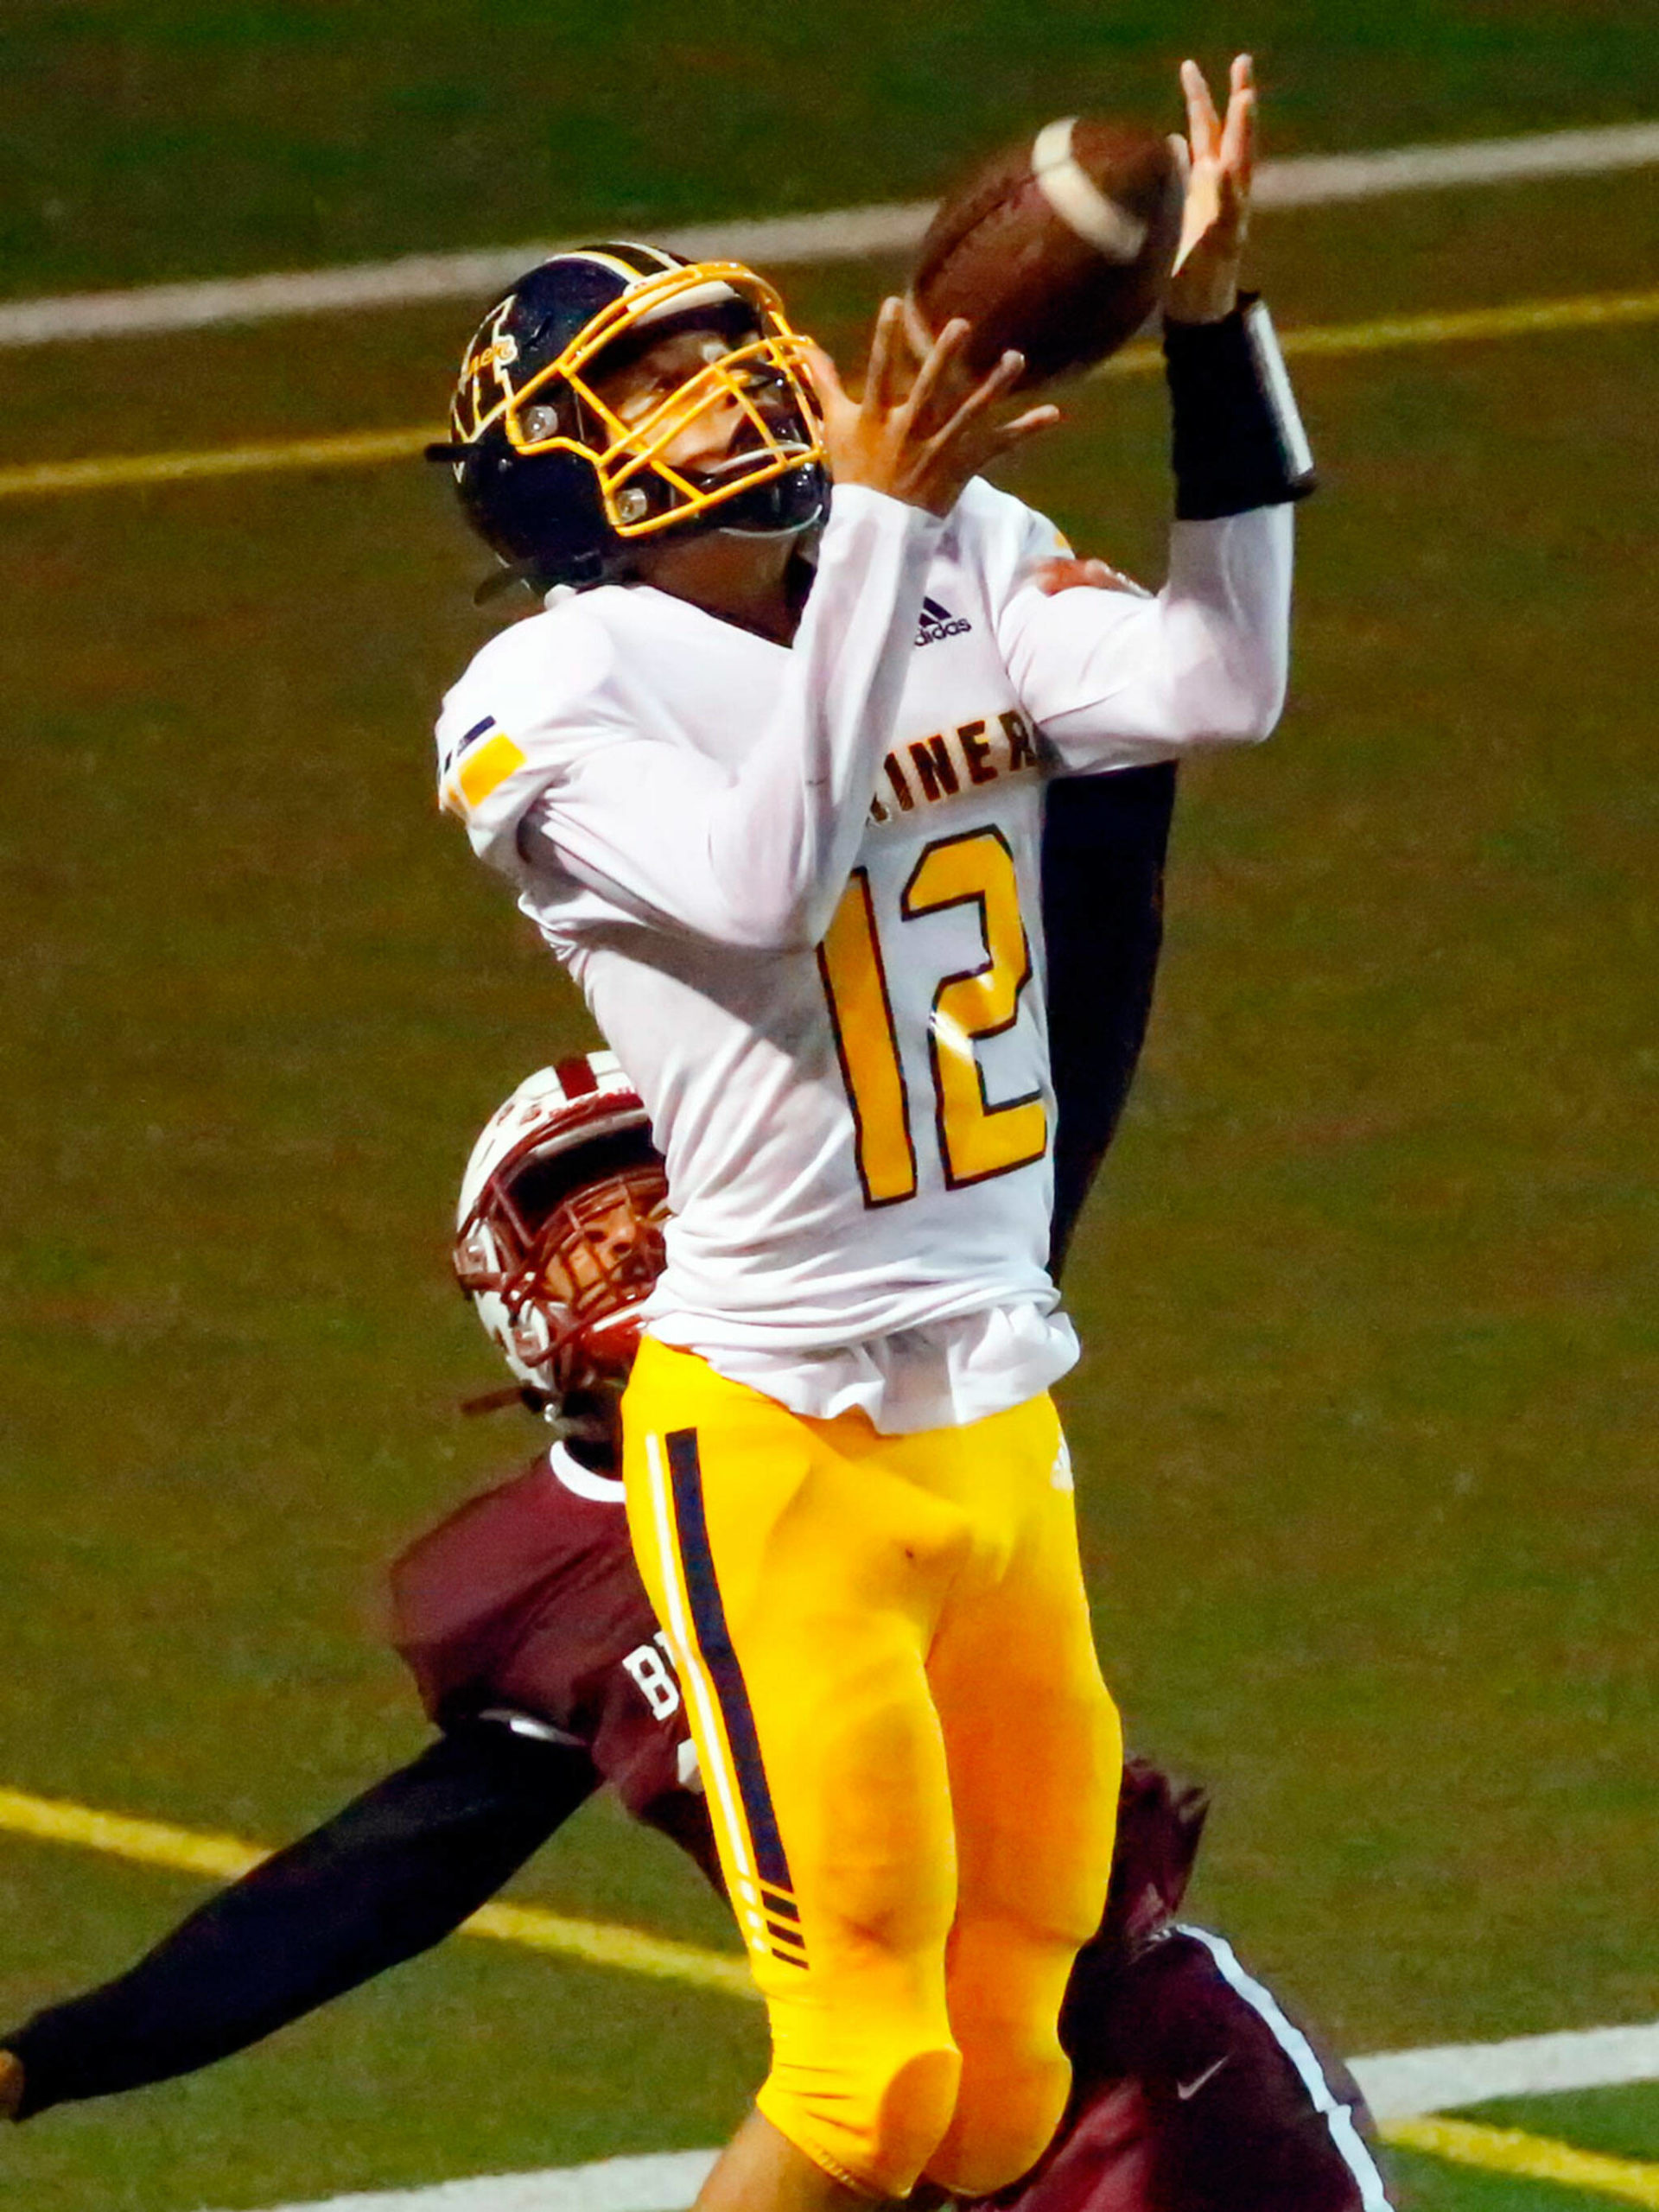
(523, 1622)
(525, 1611)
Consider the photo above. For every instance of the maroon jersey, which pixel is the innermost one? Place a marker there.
(526, 1601)
(1195, 2092)
(1192, 2090)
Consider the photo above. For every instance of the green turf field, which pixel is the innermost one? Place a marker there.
(141, 139)
(1367, 1412)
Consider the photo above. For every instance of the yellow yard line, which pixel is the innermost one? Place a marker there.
(155, 1843)
(603, 1943)
(367, 448)
(1521, 319)
(351, 449)
(1534, 2158)
(152, 1843)
(193, 1851)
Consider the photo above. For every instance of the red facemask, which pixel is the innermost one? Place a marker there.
(574, 1282)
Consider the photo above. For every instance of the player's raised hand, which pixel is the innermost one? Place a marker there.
(892, 439)
(1220, 161)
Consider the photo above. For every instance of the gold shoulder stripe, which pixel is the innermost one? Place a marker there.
(488, 768)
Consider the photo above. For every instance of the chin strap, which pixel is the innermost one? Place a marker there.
(510, 573)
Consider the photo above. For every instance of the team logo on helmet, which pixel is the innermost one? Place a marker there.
(482, 389)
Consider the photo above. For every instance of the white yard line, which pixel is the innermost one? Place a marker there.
(1397, 2083)
(1401, 2084)
(666, 2182)
(1317, 180)
(842, 234)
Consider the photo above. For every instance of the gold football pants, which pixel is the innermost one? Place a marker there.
(910, 1759)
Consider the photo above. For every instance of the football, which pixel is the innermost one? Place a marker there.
(1060, 247)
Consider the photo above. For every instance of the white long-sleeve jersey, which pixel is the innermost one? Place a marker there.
(799, 888)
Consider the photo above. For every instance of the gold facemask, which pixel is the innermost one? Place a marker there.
(641, 490)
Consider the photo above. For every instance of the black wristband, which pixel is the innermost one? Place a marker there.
(1238, 441)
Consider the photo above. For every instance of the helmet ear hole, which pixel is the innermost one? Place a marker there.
(478, 1259)
(532, 1337)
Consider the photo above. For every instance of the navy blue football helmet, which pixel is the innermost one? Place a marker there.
(559, 487)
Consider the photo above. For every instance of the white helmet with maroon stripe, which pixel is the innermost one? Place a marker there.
(558, 1234)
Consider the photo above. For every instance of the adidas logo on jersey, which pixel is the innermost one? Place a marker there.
(939, 622)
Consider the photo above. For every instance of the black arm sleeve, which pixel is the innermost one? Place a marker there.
(391, 1874)
(1238, 444)
(1104, 839)
(1238, 441)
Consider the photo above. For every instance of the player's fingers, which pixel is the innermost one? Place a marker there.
(1203, 123)
(946, 463)
(880, 397)
(823, 376)
(993, 439)
(948, 453)
(1238, 139)
(984, 395)
(1244, 166)
(1200, 210)
(1025, 426)
(942, 357)
(1233, 214)
(917, 337)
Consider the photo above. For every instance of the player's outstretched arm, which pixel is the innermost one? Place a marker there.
(1113, 679)
(391, 1874)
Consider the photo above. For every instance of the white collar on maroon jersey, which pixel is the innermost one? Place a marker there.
(602, 1490)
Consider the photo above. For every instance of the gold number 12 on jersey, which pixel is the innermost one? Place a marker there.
(975, 1139)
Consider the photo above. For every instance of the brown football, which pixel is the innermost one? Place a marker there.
(1060, 247)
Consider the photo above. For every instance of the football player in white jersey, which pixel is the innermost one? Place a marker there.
(767, 773)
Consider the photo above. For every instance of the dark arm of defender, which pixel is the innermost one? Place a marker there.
(1237, 444)
(388, 1877)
